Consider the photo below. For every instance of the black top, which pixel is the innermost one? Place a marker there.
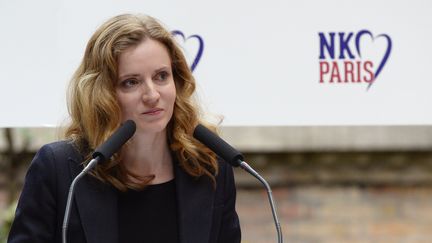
(149, 215)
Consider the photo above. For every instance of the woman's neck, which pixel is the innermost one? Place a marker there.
(149, 154)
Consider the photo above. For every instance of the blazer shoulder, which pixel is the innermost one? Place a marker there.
(225, 180)
(61, 146)
(42, 199)
(56, 156)
(225, 169)
(61, 150)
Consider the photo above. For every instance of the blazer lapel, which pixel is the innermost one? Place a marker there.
(195, 206)
(97, 207)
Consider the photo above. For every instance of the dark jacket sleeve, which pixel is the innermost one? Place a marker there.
(35, 217)
(230, 226)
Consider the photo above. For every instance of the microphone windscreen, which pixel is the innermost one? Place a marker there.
(218, 145)
(115, 141)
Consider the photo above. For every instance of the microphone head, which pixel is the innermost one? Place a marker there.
(218, 145)
(115, 141)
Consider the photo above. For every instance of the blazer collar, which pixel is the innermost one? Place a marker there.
(195, 198)
(97, 205)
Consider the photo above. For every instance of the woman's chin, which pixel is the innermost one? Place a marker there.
(151, 128)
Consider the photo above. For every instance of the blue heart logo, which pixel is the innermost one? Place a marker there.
(386, 54)
(200, 46)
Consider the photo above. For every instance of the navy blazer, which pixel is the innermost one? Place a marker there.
(205, 214)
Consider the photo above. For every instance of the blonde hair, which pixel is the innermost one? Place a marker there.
(95, 112)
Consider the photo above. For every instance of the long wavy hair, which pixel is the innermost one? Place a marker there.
(94, 109)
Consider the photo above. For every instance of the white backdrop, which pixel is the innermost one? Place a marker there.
(260, 64)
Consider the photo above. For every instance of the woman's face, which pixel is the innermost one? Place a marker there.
(145, 87)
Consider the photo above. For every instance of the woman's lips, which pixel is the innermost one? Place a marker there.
(153, 111)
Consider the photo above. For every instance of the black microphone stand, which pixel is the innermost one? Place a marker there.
(251, 171)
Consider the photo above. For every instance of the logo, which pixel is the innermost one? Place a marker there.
(200, 49)
(345, 57)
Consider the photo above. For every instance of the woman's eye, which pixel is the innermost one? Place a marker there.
(129, 83)
(162, 76)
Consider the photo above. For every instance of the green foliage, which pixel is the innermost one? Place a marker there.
(7, 218)
(13, 161)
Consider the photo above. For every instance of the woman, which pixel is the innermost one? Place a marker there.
(163, 186)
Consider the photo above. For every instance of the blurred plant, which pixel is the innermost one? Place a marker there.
(7, 216)
(13, 162)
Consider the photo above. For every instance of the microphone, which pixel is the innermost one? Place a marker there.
(235, 158)
(100, 155)
(115, 141)
(218, 145)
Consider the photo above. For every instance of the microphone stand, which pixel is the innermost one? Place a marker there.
(102, 153)
(251, 171)
(89, 166)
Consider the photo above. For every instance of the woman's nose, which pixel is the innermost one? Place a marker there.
(150, 94)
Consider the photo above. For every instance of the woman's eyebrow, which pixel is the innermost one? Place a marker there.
(162, 68)
(131, 75)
